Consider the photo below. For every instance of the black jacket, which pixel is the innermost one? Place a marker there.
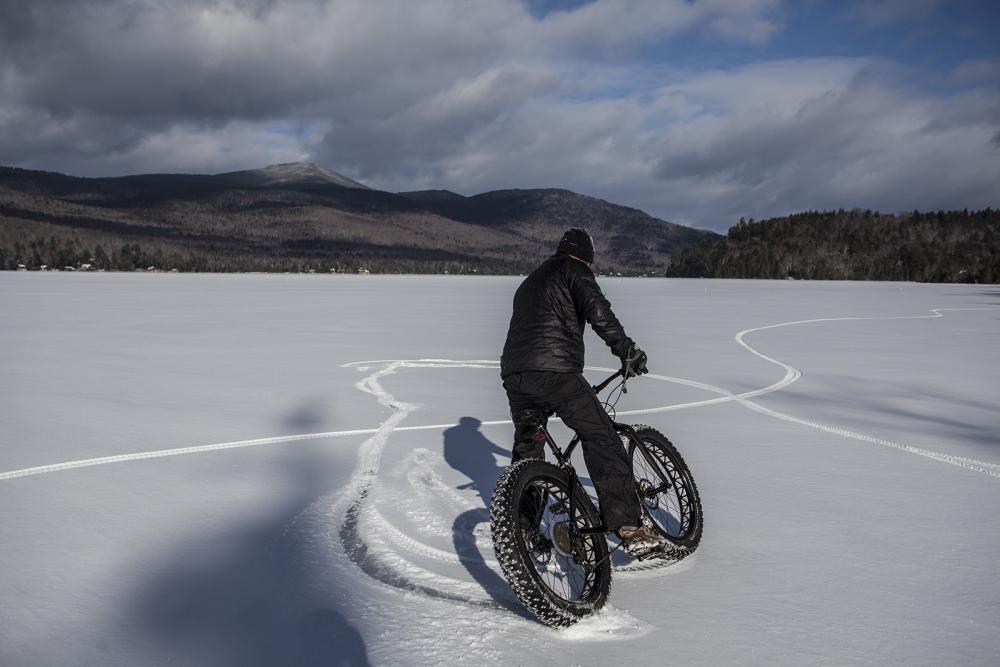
(550, 309)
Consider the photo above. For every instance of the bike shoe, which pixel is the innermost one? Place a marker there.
(642, 541)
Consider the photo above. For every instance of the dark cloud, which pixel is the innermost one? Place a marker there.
(856, 141)
(478, 96)
(165, 61)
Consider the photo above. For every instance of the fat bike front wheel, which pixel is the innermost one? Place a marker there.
(667, 490)
(559, 574)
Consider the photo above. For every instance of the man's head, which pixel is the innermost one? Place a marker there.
(577, 242)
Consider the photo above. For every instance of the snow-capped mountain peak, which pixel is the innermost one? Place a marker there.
(294, 173)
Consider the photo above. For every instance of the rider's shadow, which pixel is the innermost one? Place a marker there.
(471, 453)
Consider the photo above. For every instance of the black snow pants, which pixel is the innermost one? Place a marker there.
(533, 393)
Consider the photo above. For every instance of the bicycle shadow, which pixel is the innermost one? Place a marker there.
(471, 453)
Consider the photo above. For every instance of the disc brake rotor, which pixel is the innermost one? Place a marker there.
(537, 544)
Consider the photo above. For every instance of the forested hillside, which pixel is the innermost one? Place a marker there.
(301, 217)
(942, 246)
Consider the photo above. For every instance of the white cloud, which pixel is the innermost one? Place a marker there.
(977, 71)
(473, 96)
(847, 138)
(608, 25)
(174, 148)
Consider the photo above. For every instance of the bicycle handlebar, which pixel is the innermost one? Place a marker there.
(600, 387)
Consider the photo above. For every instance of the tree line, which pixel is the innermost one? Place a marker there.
(71, 252)
(939, 246)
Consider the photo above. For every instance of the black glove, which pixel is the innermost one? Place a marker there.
(635, 362)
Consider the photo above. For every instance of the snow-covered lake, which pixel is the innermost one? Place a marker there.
(259, 470)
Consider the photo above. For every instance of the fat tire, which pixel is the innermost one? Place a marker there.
(513, 555)
(662, 447)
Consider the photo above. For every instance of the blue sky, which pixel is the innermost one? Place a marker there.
(697, 112)
(931, 36)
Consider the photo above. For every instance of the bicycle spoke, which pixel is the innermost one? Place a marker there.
(662, 490)
(559, 572)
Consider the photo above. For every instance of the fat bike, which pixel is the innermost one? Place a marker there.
(556, 556)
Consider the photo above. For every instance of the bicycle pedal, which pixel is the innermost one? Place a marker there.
(645, 555)
(665, 552)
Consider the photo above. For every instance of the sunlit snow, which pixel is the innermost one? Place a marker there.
(280, 470)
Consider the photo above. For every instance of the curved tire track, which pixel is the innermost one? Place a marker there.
(399, 573)
(383, 572)
(391, 568)
(792, 374)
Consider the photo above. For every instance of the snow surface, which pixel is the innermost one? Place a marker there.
(212, 470)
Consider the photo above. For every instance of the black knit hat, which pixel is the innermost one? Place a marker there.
(578, 243)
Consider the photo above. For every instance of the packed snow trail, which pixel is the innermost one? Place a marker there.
(791, 375)
(380, 549)
(379, 563)
(352, 531)
(368, 526)
(383, 551)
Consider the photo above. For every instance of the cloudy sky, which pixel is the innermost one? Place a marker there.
(697, 112)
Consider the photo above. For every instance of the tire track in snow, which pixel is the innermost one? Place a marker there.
(792, 374)
(179, 451)
(399, 572)
(363, 521)
(381, 564)
(387, 566)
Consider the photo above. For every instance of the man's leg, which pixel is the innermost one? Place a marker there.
(528, 415)
(529, 441)
(606, 458)
(526, 395)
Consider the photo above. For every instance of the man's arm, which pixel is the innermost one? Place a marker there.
(591, 302)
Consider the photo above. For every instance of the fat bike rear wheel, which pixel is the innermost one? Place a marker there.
(667, 490)
(559, 574)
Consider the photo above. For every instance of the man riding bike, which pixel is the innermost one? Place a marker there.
(542, 371)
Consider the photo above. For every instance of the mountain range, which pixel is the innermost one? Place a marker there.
(299, 216)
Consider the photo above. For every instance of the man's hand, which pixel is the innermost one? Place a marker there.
(635, 362)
